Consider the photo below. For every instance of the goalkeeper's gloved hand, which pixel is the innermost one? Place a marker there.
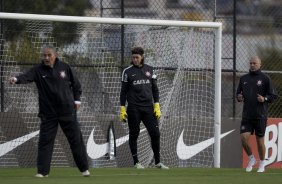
(157, 110)
(123, 114)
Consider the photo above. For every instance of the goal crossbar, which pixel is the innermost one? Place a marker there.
(102, 20)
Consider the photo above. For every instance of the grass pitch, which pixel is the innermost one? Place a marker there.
(146, 176)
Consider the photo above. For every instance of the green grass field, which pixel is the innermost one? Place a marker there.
(146, 176)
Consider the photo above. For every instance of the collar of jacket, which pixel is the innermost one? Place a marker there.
(138, 66)
(255, 72)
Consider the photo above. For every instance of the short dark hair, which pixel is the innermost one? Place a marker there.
(137, 50)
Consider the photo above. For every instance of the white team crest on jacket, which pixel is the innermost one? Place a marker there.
(259, 82)
(148, 74)
(62, 74)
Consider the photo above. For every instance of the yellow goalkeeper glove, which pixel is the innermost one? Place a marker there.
(157, 110)
(123, 114)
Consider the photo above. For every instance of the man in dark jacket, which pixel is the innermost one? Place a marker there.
(255, 90)
(140, 90)
(59, 97)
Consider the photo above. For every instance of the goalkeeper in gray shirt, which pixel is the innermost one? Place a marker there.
(140, 90)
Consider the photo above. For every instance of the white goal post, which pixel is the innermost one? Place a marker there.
(214, 67)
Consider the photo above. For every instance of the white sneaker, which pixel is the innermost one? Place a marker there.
(261, 167)
(85, 173)
(251, 163)
(38, 175)
(161, 166)
(139, 166)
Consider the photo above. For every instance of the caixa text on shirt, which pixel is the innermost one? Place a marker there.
(142, 81)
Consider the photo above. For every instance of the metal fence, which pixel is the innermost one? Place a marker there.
(250, 27)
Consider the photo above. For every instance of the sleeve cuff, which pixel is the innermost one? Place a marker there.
(77, 102)
(15, 79)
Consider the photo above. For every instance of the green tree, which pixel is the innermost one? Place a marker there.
(50, 7)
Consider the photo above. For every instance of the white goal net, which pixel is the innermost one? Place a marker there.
(186, 58)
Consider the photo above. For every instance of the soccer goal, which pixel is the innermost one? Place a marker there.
(186, 56)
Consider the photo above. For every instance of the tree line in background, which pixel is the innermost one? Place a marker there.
(50, 7)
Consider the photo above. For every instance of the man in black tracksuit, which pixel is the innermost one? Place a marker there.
(255, 90)
(59, 94)
(139, 89)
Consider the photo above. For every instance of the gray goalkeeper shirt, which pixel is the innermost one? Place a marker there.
(139, 86)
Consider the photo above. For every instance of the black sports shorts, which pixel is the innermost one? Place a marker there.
(253, 125)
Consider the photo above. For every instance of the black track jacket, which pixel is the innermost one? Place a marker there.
(250, 85)
(139, 86)
(58, 88)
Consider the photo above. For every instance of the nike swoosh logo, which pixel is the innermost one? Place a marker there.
(10, 145)
(185, 152)
(95, 150)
